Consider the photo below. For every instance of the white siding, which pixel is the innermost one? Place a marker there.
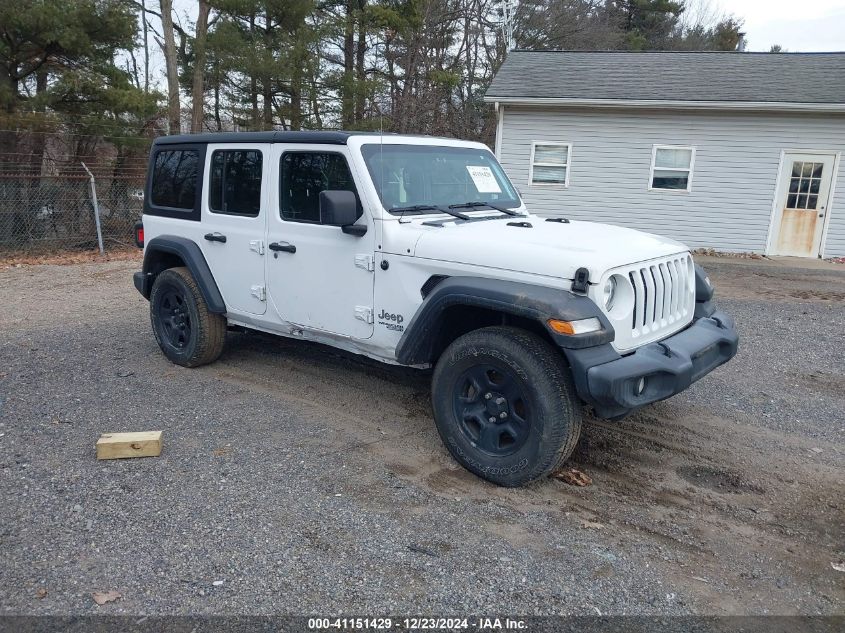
(733, 183)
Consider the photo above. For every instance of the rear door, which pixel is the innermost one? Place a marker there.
(234, 215)
(323, 278)
(802, 201)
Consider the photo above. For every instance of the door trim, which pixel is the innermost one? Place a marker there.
(826, 220)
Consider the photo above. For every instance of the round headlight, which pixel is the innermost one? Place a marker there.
(609, 292)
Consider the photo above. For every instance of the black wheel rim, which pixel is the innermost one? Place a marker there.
(492, 409)
(175, 319)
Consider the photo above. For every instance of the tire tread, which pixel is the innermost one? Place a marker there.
(211, 327)
(559, 439)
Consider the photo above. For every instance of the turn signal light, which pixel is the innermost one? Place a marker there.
(582, 326)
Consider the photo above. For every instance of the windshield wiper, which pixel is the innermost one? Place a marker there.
(417, 208)
(495, 207)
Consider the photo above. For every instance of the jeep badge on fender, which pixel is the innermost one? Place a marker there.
(391, 321)
(290, 233)
(397, 318)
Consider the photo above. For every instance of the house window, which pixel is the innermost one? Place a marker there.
(671, 167)
(550, 163)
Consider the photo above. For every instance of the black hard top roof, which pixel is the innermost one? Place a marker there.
(338, 137)
(328, 138)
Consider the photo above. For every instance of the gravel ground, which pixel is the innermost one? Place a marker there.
(295, 479)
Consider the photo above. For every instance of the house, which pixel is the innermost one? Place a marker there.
(734, 151)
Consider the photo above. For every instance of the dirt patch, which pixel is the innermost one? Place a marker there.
(827, 382)
(715, 479)
(816, 295)
(771, 283)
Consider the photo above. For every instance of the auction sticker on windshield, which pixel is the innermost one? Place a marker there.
(484, 179)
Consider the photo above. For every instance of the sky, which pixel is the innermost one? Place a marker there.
(797, 25)
(806, 26)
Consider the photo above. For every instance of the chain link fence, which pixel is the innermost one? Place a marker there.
(57, 212)
(51, 203)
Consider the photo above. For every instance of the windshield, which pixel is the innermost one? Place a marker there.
(424, 175)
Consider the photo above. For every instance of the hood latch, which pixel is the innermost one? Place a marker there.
(582, 278)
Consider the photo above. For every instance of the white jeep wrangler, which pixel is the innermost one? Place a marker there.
(418, 251)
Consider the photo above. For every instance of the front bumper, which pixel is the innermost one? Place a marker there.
(616, 385)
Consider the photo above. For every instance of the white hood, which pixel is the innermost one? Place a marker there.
(547, 248)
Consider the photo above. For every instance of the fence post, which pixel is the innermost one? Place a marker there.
(96, 209)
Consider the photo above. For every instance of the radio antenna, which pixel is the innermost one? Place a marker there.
(381, 138)
(381, 141)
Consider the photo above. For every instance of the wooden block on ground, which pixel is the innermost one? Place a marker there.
(120, 445)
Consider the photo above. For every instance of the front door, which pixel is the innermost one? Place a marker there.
(319, 278)
(802, 201)
(233, 223)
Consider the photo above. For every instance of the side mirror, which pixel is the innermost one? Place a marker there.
(340, 208)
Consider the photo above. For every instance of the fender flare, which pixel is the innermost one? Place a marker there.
(537, 303)
(194, 260)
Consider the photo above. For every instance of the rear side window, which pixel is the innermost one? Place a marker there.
(174, 182)
(304, 175)
(235, 183)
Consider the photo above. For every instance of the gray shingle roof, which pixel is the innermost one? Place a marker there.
(810, 78)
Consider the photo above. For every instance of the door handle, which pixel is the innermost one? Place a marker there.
(215, 237)
(282, 246)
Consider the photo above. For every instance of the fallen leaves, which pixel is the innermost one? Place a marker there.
(71, 257)
(573, 477)
(41, 593)
(592, 525)
(221, 452)
(710, 252)
(102, 597)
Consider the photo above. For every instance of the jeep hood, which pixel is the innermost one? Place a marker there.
(546, 248)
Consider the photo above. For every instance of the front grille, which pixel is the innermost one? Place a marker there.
(663, 295)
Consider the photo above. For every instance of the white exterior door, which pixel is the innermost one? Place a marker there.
(801, 203)
(319, 278)
(234, 214)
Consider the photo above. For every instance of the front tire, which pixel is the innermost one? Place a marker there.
(187, 333)
(505, 406)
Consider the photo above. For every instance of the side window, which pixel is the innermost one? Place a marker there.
(304, 175)
(174, 182)
(234, 185)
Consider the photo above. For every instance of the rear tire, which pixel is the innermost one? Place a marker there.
(505, 406)
(187, 333)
